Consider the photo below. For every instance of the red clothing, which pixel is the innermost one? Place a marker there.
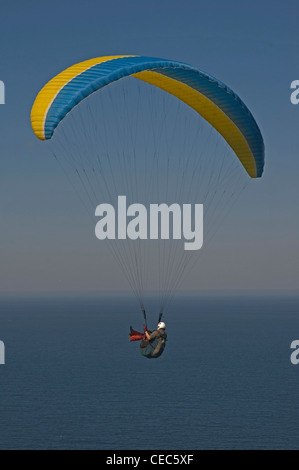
(136, 335)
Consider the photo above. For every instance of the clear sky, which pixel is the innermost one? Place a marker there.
(251, 46)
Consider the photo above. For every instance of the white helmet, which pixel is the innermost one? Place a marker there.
(161, 325)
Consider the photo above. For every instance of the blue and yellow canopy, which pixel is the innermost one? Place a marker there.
(212, 99)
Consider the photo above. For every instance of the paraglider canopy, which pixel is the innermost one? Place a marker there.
(211, 98)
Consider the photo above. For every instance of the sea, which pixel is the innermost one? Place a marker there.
(72, 380)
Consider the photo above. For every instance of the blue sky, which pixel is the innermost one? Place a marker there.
(251, 46)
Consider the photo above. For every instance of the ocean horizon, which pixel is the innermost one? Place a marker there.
(72, 380)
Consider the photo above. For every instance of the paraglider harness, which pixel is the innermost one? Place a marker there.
(148, 348)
